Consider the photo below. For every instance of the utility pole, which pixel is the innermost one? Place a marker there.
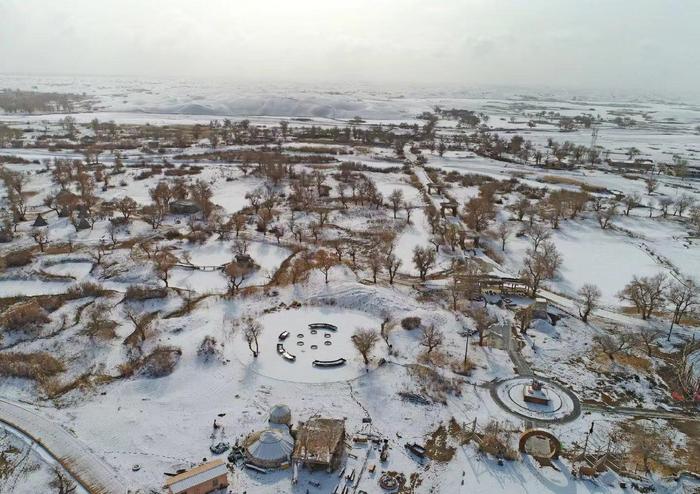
(466, 350)
(585, 444)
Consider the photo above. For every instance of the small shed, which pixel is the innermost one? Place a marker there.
(82, 224)
(207, 478)
(320, 443)
(39, 221)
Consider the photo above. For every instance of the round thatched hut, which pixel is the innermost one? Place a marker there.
(270, 448)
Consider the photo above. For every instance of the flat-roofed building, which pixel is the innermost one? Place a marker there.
(207, 478)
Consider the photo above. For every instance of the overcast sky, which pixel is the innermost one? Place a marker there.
(635, 44)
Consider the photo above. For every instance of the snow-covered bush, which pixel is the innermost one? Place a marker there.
(209, 349)
(86, 289)
(410, 323)
(161, 361)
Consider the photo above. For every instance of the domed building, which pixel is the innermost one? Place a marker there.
(280, 415)
(269, 448)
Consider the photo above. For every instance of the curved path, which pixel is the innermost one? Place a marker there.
(86, 468)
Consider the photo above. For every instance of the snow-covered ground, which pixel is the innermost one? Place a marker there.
(165, 423)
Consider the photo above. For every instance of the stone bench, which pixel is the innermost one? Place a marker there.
(329, 363)
(323, 325)
(285, 354)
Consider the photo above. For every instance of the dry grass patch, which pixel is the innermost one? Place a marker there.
(496, 440)
(437, 447)
(36, 366)
(433, 384)
(28, 316)
(624, 359)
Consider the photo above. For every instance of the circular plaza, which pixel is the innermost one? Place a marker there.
(311, 345)
(536, 399)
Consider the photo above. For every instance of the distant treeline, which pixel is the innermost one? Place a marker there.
(16, 101)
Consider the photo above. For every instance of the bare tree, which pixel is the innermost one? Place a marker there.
(612, 344)
(665, 203)
(392, 265)
(695, 219)
(647, 337)
(127, 207)
(236, 273)
(424, 260)
(521, 207)
(605, 216)
(201, 194)
(164, 262)
(98, 253)
(252, 330)
(503, 233)
(686, 375)
(431, 338)
(240, 246)
(646, 441)
(631, 201)
(540, 265)
(41, 237)
(651, 184)
(153, 214)
(365, 341)
(408, 208)
(682, 297)
(479, 211)
(142, 327)
(483, 320)
(538, 234)
(524, 316)
(375, 264)
(388, 326)
(15, 184)
(61, 482)
(454, 290)
(239, 222)
(589, 296)
(683, 202)
(396, 200)
(324, 262)
(646, 293)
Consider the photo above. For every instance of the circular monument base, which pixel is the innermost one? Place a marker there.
(551, 403)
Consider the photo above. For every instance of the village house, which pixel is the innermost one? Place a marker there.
(207, 478)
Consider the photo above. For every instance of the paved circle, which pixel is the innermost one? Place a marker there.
(563, 405)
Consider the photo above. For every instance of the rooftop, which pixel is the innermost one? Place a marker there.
(197, 475)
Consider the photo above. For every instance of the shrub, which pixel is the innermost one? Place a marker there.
(18, 258)
(85, 289)
(209, 349)
(140, 292)
(197, 237)
(129, 368)
(495, 441)
(36, 366)
(161, 361)
(24, 315)
(410, 323)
